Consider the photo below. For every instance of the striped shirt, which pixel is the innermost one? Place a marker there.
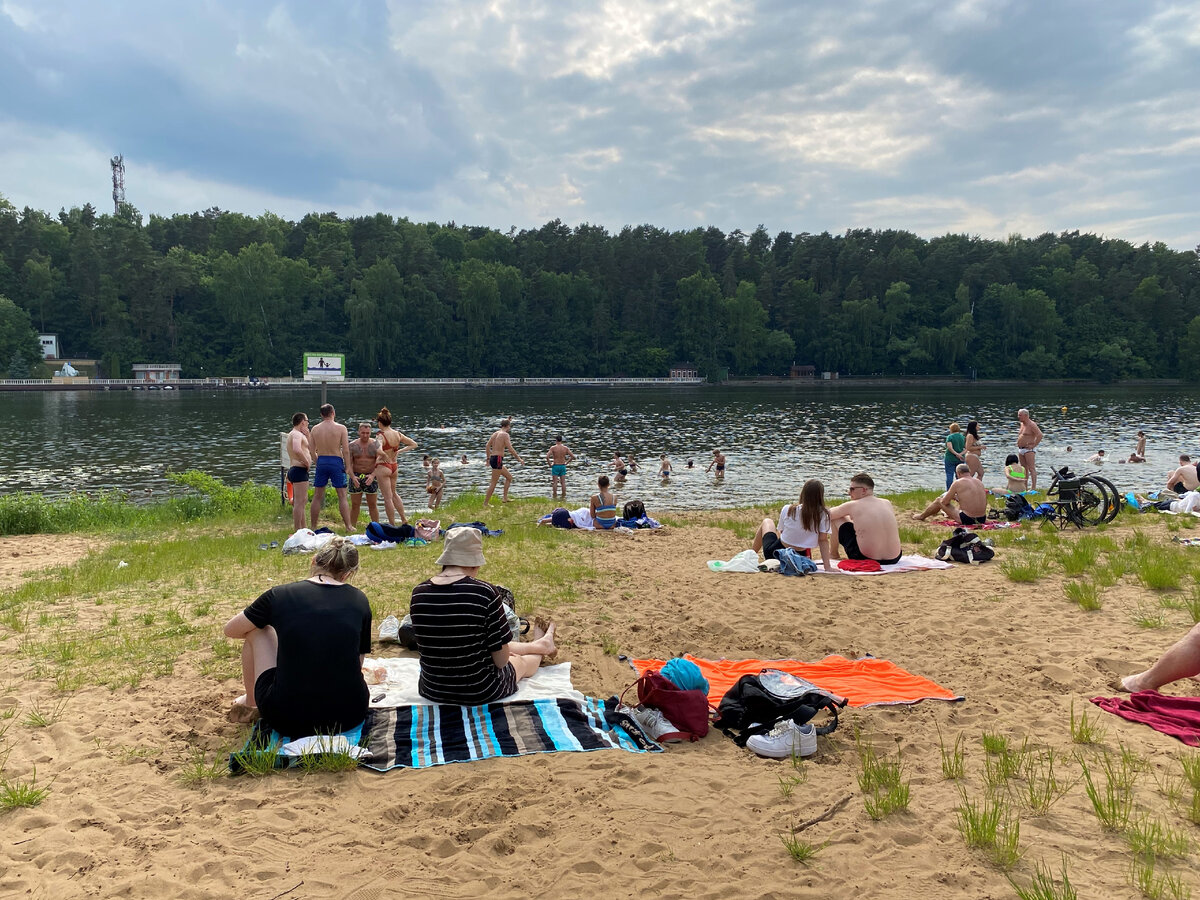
(458, 627)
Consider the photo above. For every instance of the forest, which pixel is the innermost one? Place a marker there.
(226, 294)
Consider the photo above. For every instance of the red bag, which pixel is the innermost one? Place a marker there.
(688, 711)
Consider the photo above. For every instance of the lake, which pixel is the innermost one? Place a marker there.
(774, 436)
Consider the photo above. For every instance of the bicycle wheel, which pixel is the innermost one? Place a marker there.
(1091, 502)
(1116, 501)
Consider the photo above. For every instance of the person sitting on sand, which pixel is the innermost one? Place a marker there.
(802, 526)
(1182, 660)
(603, 506)
(970, 494)
(1184, 478)
(304, 646)
(468, 655)
(866, 525)
(1018, 478)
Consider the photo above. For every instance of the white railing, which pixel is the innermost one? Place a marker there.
(241, 382)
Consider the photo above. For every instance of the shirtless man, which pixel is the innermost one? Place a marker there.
(866, 525)
(558, 456)
(1139, 454)
(297, 475)
(970, 494)
(330, 444)
(718, 460)
(497, 445)
(1028, 437)
(363, 454)
(1184, 478)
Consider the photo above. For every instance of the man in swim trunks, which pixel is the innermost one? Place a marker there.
(1139, 454)
(718, 460)
(497, 445)
(363, 454)
(618, 466)
(1028, 437)
(330, 444)
(866, 525)
(558, 456)
(1184, 478)
(297, 475)
(664, 466)
(970, 494)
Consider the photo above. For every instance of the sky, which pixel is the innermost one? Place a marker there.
(986, 117)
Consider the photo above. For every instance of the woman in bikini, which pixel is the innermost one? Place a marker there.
(974, 448)
(391, 443)
(604, 505)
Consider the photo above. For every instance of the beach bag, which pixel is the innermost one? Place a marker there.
(1017, 507)
(965, 547)
(757, 703)
(427, 529)
(686, 710)
(634, 509)
(517, 625)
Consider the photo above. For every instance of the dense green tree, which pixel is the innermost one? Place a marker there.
(18, 340)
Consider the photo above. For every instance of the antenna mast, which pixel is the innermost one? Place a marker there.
(118, 173)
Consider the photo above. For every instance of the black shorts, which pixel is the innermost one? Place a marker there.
(358, 484)
(297, 474)
(1179, 487)
(971, 520)
(496, 462)
(772, 545)
(848, 538)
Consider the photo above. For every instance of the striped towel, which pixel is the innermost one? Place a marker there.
(416, 737)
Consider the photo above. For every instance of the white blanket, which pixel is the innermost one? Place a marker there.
(913, 563)
(403, 673)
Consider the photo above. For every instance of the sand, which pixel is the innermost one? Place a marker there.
(700, 820)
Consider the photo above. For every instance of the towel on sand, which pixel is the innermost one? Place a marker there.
(1176, 716)
(863, 682)
(913, 563)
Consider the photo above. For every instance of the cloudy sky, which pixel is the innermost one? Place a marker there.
(990, 117)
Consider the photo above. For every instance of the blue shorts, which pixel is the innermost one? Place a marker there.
(558, 470)
(330, 469)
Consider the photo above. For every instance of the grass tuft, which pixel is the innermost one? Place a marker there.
(879, 779)
(1112, 799)
(990, 827)
(1085, 729)
(800, 850)
(198, 770)
(18, 794)
(1144, 876)
(1151, 839)
(1044, 887)
(1024, 570)
(1083, 594)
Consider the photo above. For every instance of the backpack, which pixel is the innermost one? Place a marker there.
(1017, 507)
(687, 710)
(634, 509)
(757, 703)
(965, 547)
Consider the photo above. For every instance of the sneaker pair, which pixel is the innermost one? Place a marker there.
(786, 739)
(657, 726)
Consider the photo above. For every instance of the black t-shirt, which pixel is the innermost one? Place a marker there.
(323, 629)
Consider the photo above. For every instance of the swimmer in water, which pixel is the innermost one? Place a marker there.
(689, 464)
(718, 460)
(664, 467)
(463, 460)
(618, 466)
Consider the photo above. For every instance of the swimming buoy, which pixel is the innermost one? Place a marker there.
(291, 499)
(1064, 409)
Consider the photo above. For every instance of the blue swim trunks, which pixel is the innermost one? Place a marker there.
(330, 469)
(558, 470)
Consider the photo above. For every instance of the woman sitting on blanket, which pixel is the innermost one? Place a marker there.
(304, 648)
(468, 656)
(604, 505)
(802, 526)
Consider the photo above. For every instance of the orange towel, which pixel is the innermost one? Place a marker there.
(863, 682)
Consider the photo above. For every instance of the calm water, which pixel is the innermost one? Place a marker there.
(774, 437)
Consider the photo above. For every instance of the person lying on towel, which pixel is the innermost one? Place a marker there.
(468, 655)
(304, 648)
(866, 525)
(1182, 660)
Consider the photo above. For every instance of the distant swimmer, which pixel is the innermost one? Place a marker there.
(330, 444)
(497, 445)
(689, 464)
(618, 465)
(1139, 454)
(297, 474)
(718, 460)
(462, 461)
(558, 456)
(1097, 457)
(1028, 438)
(633, 464)
(664, 467)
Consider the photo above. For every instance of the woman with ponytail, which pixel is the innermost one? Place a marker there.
(303, 649)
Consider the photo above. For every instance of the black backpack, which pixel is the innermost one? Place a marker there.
(965, 547)
(634, 509)
(1017, 507)
(750, 707)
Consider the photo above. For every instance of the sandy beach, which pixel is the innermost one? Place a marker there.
(700, 820)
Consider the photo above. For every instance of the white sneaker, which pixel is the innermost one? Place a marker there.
(654, 723)
(784, 740)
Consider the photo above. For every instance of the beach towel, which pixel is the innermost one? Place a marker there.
(292, 751)
(982, 526)
(403, 674)
(913, 563)
(1177, 716)
(480, 526)
(863, 682)
(416, 737)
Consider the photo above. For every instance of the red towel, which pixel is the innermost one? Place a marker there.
(860, 565)
(1176, 716)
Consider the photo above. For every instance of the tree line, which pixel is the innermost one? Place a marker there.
(224, 293)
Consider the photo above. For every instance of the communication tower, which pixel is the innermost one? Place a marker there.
(118, 172)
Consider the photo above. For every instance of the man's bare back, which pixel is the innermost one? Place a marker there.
(329, 438)
(971, 496)
(874, 525)
(558, 454)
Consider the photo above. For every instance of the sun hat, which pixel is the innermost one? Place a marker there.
(464, 547)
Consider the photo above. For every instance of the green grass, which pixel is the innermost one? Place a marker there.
(44, 715)
(1083, 594)
(1024, 569)
(994, 744)
(16, 793)
(990, 827)
(879, 779)
(258, 762)
(1081, 556)
(1159, 568)
(798, 849)
(198, 770)
(1192, 605)
(1190, 763)
(1149, 617)
(1144, 875)
(1042, 787)
(1152, 839)
(1112, 795)
(329, 762)
(1043, 885)
(953, 759)
(1086, 729)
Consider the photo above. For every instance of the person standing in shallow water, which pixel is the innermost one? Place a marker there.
(497, 445)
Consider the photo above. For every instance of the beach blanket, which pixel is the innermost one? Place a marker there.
(293, 751)
(863, 682)
(416, 737)
(982, 526)
(1177, 716)
(908, 563)
(403, 673)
